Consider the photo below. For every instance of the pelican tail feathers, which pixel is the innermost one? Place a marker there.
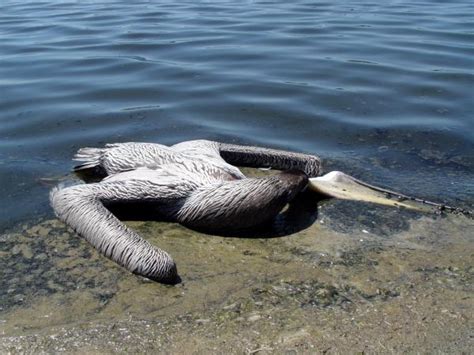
(91, 157)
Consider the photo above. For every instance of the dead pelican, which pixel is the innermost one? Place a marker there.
(196, 184)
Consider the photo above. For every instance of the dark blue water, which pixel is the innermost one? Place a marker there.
(383, 90)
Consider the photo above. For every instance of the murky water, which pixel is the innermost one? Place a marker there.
(321, 289)
(382, 91)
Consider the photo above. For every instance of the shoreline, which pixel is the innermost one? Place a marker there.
(336, 286)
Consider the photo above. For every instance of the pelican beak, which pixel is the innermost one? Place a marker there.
(339, 185)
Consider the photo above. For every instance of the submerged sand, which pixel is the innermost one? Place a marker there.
(361, 278)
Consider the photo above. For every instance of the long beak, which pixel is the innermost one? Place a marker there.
(339, 185)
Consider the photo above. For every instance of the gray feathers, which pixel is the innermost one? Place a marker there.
(239, 204)
(257, 157)
(190, 181)
(81, 207)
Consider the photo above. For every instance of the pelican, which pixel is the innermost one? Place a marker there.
(197, 184)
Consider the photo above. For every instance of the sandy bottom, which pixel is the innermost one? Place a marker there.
(360, 279)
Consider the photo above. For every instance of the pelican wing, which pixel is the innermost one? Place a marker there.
(208, 153)
(198, 148)
(119, 157)
(82, 208)
(257, 157)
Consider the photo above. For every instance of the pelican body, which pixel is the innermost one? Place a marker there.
(194, 183)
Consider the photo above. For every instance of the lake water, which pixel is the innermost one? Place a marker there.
(384, 90)
(380, 90)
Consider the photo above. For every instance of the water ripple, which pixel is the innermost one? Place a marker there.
(339, 79)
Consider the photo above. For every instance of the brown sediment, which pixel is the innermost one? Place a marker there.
(355, 281)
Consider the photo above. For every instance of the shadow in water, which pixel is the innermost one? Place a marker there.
(299, 214)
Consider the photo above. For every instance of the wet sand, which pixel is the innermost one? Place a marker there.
(362, 278)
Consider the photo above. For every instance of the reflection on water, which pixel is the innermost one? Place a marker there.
(382, 91)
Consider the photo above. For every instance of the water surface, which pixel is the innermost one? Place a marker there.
(381, 90)
(353, 81)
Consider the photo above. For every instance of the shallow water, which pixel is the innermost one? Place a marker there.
(382, 91)
(352, 282)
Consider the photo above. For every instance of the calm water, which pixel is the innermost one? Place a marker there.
(383, 90)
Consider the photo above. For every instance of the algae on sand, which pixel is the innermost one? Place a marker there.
(361, 278)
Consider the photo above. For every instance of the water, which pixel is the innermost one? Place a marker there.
(351, 81)
(381, 90)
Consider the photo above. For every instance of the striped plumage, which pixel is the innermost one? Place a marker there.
(192, 183)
